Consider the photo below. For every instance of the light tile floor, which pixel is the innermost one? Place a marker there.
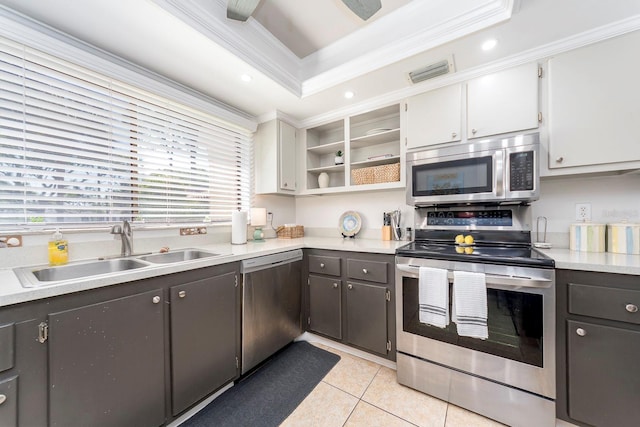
(361, 393)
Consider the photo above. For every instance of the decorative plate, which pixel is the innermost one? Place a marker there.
(350, 223)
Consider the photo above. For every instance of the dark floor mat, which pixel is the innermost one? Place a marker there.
(269, 395)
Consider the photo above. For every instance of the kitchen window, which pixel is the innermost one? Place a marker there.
(77, 147)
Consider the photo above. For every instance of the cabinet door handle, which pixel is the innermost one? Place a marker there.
(156, 299)
(365, 271)
(631, 308)
(581, 332)
(3, 398)
(453, 134)
(182, 294)
(349, 286)
(322, 265)
(474, 131)
(335, 285)
(560, 159)
(285, 184)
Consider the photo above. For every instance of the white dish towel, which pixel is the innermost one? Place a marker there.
(433, 296)
(469, 307)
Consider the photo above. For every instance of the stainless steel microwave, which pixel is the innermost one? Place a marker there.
(497, 170)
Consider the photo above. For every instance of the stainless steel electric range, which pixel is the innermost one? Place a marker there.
(510, 376)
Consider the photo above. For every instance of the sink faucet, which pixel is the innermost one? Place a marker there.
(127, 237)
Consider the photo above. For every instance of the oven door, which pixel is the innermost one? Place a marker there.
(451, 179)
(520, 350)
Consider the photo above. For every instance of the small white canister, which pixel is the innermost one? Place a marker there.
(623, 238)
(587, 237)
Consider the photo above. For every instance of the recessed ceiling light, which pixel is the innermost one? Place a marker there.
(349, 94)
(246, 78)
(489, 44)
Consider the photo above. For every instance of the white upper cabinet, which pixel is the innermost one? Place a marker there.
(502, 102)
(370, 148)
(594, 108)
(434, 117)
(275, 158)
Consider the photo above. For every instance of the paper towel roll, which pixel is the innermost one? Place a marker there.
(587, 237)
(623, 238)
(238, 227)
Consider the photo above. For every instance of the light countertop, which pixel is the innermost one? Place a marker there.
(605, 262)
(12, 292)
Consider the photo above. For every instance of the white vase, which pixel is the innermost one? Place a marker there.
(323, 180)
(339, 160)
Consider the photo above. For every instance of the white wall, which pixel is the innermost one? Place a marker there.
(316, 212)
(612, 198)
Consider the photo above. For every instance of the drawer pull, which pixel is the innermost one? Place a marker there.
(156, 300)
(631, 308)
(182, 294)
(349, 286)
(322, 265)
(365, 271)
(335, 285)
(3, 398)
(581, 332)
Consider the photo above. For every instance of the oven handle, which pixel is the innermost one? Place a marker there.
(505, 281)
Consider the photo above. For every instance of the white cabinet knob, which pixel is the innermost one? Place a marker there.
(581, 332)
(631, 308)
(560, 159)
(156, 299)
(474, 131)
(453, 134)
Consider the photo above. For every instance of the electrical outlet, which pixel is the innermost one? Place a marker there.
(583, 211)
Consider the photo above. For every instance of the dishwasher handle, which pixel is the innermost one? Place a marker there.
(270, 261)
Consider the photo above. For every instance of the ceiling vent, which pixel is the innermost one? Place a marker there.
(431, 71)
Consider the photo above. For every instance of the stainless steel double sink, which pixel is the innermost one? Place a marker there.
(44, 275)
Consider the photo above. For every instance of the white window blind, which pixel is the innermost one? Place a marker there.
(78, 147)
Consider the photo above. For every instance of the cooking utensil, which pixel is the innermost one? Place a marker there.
(541, 244)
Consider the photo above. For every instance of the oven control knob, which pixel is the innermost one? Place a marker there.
(581, 332)
(631, 308)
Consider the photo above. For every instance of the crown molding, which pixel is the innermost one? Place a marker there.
(539, 53)
(342, 60)
(413, 44)
(249, 40)
(29, 32)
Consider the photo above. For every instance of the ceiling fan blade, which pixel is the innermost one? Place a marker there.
(365, 9)
(241, 10)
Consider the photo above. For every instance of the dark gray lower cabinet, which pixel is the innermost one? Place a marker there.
(603, 374)
(106, 363)
(367, 316)
(203, 338)
(325, 308)
(350, 299)
(598, 348)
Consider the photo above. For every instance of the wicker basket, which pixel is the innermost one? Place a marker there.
(376, 174)
(290, 232)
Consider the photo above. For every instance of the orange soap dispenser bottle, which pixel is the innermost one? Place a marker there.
(58, 249)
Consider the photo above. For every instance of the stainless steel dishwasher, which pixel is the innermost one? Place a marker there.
(271, 305)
